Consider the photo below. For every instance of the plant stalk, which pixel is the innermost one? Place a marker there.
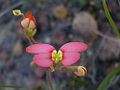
(49, 79)
(32, 40)
(47, 71)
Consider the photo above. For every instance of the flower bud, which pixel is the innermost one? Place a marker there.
(81, 71)
(28, 23)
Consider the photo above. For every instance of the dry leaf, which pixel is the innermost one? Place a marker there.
(84, 23)
(60, 12)
(18, 48)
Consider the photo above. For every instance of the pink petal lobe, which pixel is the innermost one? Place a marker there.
(74, 47)
(25, 22)
(43, 60)
(40, 48)
(70, 58)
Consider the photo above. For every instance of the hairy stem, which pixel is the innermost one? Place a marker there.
(49, 79)
(32, 40)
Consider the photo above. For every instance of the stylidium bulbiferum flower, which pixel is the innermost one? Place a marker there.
(47, 55)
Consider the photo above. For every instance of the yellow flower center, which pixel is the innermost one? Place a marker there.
(56, 57)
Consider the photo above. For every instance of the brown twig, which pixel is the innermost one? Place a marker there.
(107, 37)
(10, 8)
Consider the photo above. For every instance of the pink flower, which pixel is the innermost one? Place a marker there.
(68, 54)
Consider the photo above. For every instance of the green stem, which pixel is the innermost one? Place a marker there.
(108, 78)
(11, 86)
(110, 18)
(32, 40)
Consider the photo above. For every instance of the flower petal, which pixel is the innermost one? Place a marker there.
(43, 60)
(28, 14)
(74, 47)
(31, 25)
(70, 58)
(32, 18)
(25, 22)
(40, 48)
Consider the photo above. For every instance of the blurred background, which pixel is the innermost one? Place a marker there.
(59, 22)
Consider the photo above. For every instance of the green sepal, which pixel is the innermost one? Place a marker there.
(34, 32)
(29, 32)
